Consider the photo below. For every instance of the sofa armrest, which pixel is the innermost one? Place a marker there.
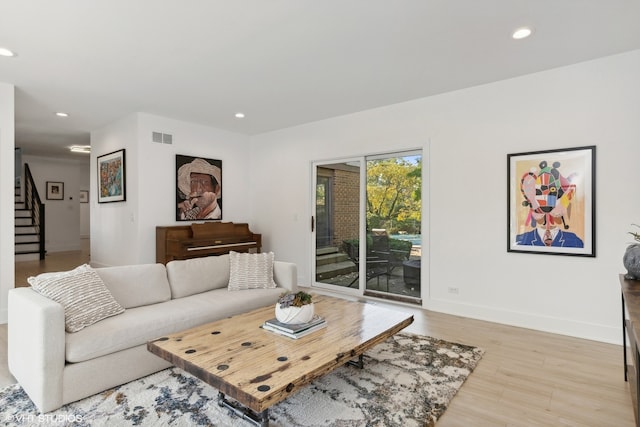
(36, 346)
(285, 274)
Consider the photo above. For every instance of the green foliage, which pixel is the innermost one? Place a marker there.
(636, 236)
(294, 299)
(394, 194)
(400, 245)
(397, 246)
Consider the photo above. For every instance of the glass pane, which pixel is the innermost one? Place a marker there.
(337, 205)
(394, 218)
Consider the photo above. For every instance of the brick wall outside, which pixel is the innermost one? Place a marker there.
(346, 200)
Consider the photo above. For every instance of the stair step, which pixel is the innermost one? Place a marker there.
(23, 221)
(22, 230)
(28, 256)
(24, 251)
(327, 250)
(27, 238)
(27, 247)
(332, 258)
(332, 270)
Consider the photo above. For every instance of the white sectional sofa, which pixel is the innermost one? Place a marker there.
(56, 367)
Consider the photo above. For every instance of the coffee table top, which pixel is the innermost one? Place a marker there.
(259, 368)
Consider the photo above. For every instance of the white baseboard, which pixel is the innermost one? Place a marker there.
(555, 325)
(96, 264)
(62, 248)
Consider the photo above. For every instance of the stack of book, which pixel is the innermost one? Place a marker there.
(295, 330)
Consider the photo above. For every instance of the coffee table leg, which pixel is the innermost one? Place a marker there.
(260, 420)
(358, 364)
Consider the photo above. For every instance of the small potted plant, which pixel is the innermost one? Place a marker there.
(294, 308)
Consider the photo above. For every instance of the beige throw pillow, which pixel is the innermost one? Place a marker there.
(82, 293)
(250, 271)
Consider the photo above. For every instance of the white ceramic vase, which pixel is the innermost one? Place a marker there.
(631, 261)
(294, 315)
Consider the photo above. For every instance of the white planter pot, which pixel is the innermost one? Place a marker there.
(294, 315)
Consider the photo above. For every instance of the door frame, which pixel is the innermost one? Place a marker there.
(359, 290)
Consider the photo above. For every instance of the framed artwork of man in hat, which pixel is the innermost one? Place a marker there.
(198, 188)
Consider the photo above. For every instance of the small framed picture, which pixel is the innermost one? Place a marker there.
(111, 177)
(55, 190)
(551, 202)
(84, 196)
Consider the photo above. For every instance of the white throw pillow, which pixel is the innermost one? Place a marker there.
(82, 293)
(251, 271)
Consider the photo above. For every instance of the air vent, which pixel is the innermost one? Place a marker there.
(161, 138)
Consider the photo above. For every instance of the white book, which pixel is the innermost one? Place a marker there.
(300, 334)
(294, 328)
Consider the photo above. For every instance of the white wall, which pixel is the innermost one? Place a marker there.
(467, 135)
(124, 232)
(114, 231)
(62, 229)
(7, 213)
(84, 184)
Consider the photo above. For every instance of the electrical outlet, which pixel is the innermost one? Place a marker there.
(455, 291)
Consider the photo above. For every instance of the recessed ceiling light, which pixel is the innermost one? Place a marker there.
(6, 52)
(239, 115)
(522, 33)
(80, 148)
(61, 114)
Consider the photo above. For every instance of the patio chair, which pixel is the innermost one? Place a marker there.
(381, 248)
(375, 267)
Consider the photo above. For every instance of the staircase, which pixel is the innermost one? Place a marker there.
(331, 263)
(27, 238)
(29, 222)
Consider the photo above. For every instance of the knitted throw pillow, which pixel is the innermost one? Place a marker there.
(82, 293)
(250, 271)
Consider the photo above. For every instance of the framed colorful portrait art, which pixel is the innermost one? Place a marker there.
(198, 188)
(111, 177)
(551, 202)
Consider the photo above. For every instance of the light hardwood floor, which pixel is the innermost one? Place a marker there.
(526, 378)
(55, 261)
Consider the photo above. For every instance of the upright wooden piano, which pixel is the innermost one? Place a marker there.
(204, 239)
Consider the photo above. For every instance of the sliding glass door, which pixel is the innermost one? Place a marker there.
(367, 225)
(393, 229)
(337, 208)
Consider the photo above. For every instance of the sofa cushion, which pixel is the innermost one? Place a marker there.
(138, 325)
(251, 271)
(196, 275)
(82, 293)
(137, 285)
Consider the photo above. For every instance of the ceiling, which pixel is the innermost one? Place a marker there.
(280, 62)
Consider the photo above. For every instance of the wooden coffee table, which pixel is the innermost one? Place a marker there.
(258, 368)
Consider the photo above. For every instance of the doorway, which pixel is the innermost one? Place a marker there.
(368, 234)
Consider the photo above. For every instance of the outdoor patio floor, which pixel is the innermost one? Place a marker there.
(395, 285)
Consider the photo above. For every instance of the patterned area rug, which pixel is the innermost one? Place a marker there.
(407, 381)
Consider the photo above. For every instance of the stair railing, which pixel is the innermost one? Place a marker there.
(33, 203)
